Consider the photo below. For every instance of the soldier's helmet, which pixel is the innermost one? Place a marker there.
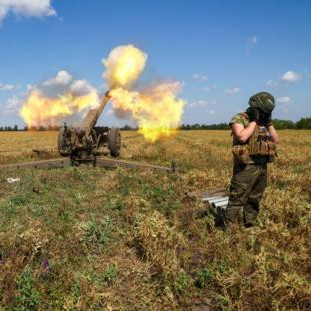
(263, 101)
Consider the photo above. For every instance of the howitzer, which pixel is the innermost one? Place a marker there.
(83, 143)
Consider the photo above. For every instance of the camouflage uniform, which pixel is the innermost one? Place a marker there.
(247, 184)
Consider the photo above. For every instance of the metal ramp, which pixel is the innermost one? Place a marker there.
(217, 201)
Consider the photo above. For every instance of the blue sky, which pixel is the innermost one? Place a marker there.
(221, 51)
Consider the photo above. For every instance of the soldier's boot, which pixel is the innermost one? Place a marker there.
(233, 215)
(250, 213)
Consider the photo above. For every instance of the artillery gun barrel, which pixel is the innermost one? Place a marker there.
(93, 115)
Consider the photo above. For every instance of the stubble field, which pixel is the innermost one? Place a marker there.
(94, 239)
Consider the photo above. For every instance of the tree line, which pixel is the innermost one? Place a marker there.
(303, 123)
(26, 128)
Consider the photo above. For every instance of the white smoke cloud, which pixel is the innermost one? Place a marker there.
(59, 99)
(291, 76)
(27, 8)
(62, 83)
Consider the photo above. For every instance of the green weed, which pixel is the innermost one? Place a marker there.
(110, 274)
(97, 233)
(204, 277)
(181, 283)
(28, 298)
(18, 200)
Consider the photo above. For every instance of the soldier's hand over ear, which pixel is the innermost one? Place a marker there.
(253, 114)
(265, 119)
(268, 121)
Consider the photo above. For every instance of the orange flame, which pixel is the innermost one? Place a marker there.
(39, 110)
(124, 65)
(156, 110)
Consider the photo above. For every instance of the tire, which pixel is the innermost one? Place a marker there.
(114, 142)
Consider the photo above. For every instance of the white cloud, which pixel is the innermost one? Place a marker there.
(290, 76)
(306, 73)
(211, 112)
(109, 112)
(253, 40)
(64, 83)
(81, 87)
(7, 87)
(27, 8)
(233, 90)
(13, 104)
(209, 88)
(29, 87)
(199, 77)
(271, 83)
(103, 86)
(198, 103)
(283, 100)
(62, 78)
(3, 10)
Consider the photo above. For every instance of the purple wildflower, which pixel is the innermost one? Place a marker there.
(45, 264)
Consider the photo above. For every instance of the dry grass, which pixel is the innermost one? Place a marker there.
(93, 239)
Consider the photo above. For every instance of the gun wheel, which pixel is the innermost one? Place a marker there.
(114, 142)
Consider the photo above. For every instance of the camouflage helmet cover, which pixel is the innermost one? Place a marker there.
(263, 101)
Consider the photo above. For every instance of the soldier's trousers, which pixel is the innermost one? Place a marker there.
(248, 184)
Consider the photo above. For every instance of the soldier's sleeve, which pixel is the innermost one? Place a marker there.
(239, 119)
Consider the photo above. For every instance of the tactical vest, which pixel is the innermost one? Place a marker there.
(260, 143)
(259, 148)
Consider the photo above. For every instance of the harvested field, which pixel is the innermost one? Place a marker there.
(93, 239)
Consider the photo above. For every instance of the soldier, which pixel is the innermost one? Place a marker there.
(254, 145)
